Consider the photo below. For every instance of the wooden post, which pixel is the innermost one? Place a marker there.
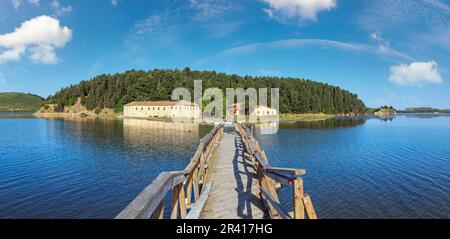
(202, 164)
(309, 207)
(189, 189)
(159, 212)
(299, 210)
(195, 182)
(182, 201)
(175, 199)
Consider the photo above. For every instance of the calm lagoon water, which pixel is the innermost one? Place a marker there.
(369, 168)
(355, 168)
(85, 168)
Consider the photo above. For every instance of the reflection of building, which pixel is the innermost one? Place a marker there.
(159, 125)
(267, 127)
(146, 135)
(169, 109)
(261, 110)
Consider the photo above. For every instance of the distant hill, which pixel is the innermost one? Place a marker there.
(114, 91)
(19, 102)
(425, 110)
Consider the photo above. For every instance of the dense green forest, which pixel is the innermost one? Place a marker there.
(114, 91)
(14, 102)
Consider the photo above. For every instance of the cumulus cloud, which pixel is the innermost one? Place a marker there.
(114, 2)
(416, 74)
(39, 37)
(303, 9)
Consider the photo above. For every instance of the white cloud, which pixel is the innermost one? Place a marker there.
(17, 3)
(296, 43)
(439, 4)
(34, 2)
(114, 2)
(303, 9)
(39, 37)
(59, 8)
(216, 18)
(423, 23)
(416, 74)
(383, 45)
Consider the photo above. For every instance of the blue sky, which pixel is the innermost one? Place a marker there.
(394, 52)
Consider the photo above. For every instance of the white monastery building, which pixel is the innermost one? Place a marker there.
(160, 109)
(261, 110)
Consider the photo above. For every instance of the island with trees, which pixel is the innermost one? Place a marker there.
(107, 94)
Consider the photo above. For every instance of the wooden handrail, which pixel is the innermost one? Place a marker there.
(148, 200)
(270, 176)
(185, 186)
(273, 202)
(190, 191)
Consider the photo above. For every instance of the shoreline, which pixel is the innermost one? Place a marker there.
(282, 118)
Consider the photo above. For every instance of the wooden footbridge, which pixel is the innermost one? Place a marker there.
(229, 177)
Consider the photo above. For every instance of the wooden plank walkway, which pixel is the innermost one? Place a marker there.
(235, 192)
(223, 181)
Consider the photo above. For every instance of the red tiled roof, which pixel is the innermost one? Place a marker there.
(161, 103)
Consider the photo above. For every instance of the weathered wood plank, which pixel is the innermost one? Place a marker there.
(235, 194)
(159, 211)
(291, 171)
(182, 201)
(197, 209)
(280, 210)
(299, 209)
(309, 207)
(145, 204)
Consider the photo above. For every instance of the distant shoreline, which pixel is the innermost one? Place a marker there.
(282, 118)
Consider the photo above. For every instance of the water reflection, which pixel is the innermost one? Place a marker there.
(86, 167)
(13, 115)
(338, 122)
(157, 134)
(425, 116)
(376, 170)
(267, 128)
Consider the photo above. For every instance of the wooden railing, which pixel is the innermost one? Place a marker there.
(270, 178)
(188, 188)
